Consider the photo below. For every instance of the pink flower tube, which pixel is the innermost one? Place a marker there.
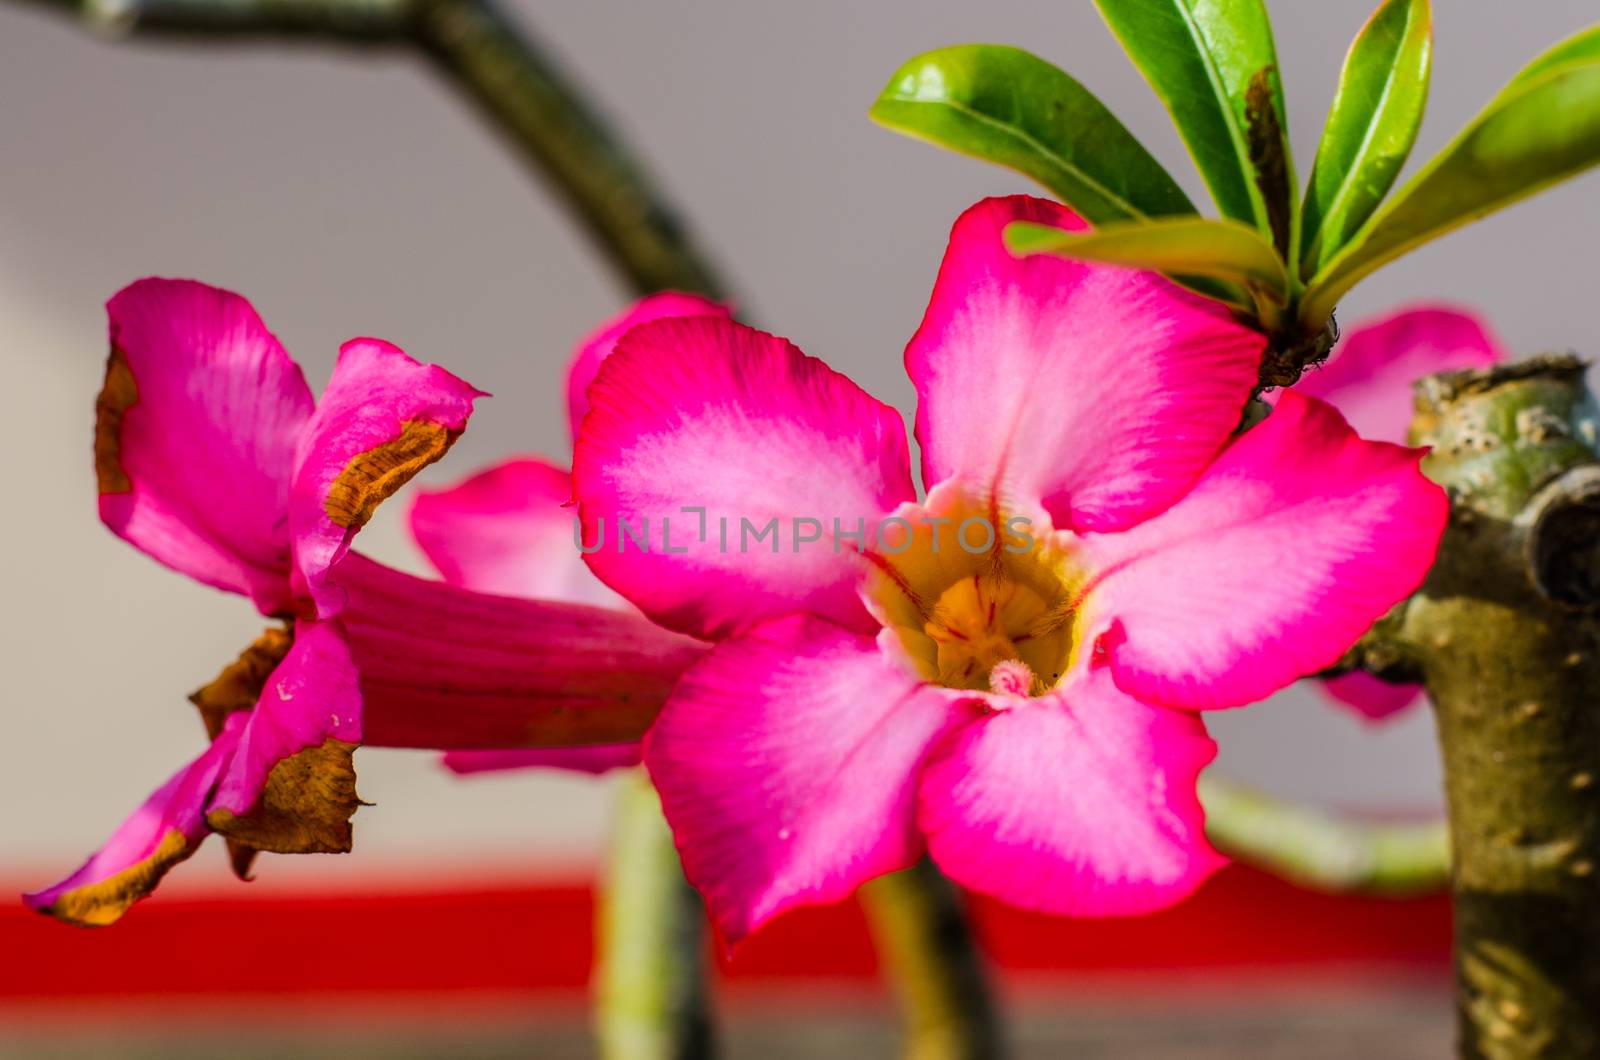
(509, 530)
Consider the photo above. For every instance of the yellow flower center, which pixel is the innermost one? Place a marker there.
(971, 612)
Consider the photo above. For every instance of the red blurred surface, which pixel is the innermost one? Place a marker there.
(534, 936)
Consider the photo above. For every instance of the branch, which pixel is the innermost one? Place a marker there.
(515, 85)
(1320, 850)
(523, 95)
(349, 21)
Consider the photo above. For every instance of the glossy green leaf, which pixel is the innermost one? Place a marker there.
(1581, 46)
(1192, 246)
(1213, 64)
(1523, 142)
(1005, 105)
(1371, 127)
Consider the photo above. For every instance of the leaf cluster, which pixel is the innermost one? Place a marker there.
(1278, 254)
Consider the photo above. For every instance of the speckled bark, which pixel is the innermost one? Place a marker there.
(1504, 634)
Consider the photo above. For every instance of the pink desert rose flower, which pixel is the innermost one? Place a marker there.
(213, 458)
(1026, 713)
(1368, 379)
(508, 530)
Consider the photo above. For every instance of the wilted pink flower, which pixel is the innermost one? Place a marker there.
(1368, 379)
(508, 530)
(1024, 713)
(213, 457)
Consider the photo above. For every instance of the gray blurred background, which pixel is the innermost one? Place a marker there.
(353, 194)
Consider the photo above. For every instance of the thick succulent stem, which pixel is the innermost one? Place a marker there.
(921, 930)
(1504, 634)
(650, 979)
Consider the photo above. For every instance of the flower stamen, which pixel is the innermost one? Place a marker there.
(1011, 677)
(999, 619)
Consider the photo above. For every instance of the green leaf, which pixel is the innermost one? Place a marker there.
(1371, 127)
(1582, 45)
(1189, 246)
(1524, 141)
(1005, 105)
(1213, 64)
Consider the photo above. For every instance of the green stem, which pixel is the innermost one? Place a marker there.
(921, 930)
(650, 977)
(1323, 851)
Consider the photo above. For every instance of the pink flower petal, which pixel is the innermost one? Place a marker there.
(1369, 376)
(787, 762)
(1099, 391)
(290, 788)
(447, 669)
(702, 413)
(601, 759)
(1080, 803)
(506, 531)
(162, 832)
(382, 419)
(1369, 697)
(598, 344)
(1368, 379)
(1291, 545)
(195, 435)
